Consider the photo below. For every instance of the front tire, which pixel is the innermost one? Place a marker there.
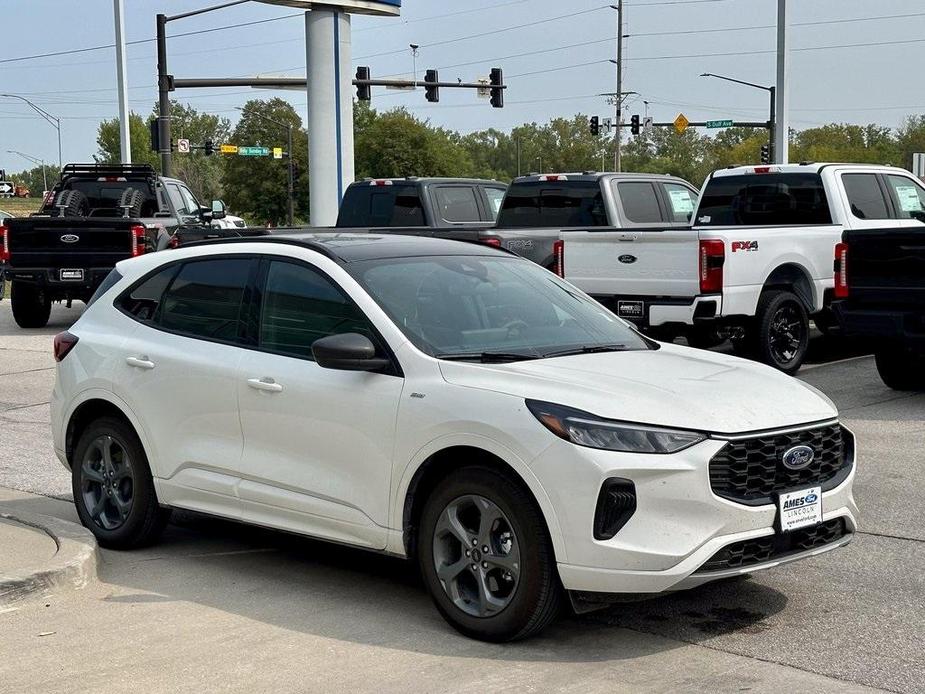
(31, 305)
(486, 557)
(781, 333)
(113, 489)
(900, 368)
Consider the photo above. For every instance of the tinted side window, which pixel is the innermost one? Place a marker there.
(909, 196)
(563, 204)
(142, 302)
(300, 306)
(865, 197)
(204, 299)
(457, 204)
(176, 199)
(394, 205)
(111, 279)
(640, 203)
(764, 199)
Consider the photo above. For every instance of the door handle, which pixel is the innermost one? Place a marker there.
(140, 362)
(267, 384)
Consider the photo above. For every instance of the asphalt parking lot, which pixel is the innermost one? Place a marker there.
(231, 608)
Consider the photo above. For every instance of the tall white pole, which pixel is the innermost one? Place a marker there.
(618, 138)
(125, 140)
(330, 111)
(782, 125)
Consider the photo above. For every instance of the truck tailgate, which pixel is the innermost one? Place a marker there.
(886, 265)
(46, 242)
(633, 263)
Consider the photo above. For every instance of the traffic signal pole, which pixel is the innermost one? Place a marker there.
(619, 98)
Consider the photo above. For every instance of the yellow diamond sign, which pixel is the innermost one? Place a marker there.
(681, 123)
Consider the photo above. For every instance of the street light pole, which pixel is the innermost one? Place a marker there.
(288, 126)
(772, 120)
(34, 160)
(53, 120)
(619, 98)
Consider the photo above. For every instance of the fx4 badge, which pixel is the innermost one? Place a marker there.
(744, 246)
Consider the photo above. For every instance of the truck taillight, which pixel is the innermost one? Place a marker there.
(558, 257)
(496, 243)
(138, 240)
(64, 343)
(712, 258)
(841, 271)
(4, 243)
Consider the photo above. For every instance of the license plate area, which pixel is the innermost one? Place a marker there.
(799, 509)
(631, 310)
(71, 274)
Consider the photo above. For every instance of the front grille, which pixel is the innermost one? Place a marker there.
(763, 549)
(751, 471)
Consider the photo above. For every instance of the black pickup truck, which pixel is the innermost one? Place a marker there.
(96, 215)
(880, 295)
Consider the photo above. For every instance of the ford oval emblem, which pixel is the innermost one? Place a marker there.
(70, 238)
(810, 498)
(798, 457)
(627, 258)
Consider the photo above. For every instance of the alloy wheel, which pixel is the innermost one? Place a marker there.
(785, 335)
(107, 482)
(476, 555)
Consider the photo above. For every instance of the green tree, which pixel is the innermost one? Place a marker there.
(257, 187)
(202, 173)
(108, 141)
(872, 144)
(34, 181)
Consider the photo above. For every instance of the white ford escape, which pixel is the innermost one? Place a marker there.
(446, 402)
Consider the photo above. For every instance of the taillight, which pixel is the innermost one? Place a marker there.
(492, 242)
(174, 241)
(138, 240)
(712, 258)
(558, 257)
(4, 243)
(841, 271)
(64, 343)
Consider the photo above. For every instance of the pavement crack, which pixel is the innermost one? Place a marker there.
(890, 537)
(879, 402)
(23, 407)
(28, 371)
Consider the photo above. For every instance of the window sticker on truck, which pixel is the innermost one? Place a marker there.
(744, 246)
(908, 199)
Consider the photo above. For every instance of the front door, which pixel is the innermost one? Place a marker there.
(317, 442)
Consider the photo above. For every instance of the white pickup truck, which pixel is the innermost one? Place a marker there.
(757, 263)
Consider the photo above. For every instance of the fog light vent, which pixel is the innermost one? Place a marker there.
(616, 504)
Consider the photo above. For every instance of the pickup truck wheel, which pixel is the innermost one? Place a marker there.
(133, 199)
(74, 203)
(782, 331)
(31, 305)
(486, 557)
(900, 368)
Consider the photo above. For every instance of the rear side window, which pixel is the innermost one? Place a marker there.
(111, 279)
(495, 197)
(394, 205)
(910, 197)
(562, 204)
(300, 306)
(204, 299)
(640, 202)
(681, 202)
(142, 301)
(457, 204)
(764, 199)
(865, 198)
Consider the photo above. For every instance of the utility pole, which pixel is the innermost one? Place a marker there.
(125, 141)
(619, 98)
(163, 91)
(782, 122)
(517, 140)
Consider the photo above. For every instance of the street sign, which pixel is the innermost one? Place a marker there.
(277, 152)
(253, 151)
(483, 92)
(719, 123)
(183, 146)
(6, 188)
(647, 124)
(607, 124)
(229, 149)
(681, 123)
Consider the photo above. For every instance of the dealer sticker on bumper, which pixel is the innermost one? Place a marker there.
(800, 509)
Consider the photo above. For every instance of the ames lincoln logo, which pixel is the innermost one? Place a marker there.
(798, 457)
(70, 238)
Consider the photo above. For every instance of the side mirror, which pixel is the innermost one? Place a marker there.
(218, 209)
(347, 352)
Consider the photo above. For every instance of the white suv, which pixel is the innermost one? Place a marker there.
(443, 401)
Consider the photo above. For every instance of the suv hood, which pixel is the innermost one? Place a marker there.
(673, 386)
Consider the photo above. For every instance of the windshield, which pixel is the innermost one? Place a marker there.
(490, 306)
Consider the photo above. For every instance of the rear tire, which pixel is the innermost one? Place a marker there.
(31, 305)
(112, 485)
(74, 203)
(900, 368)
(781, 333)
(133, 199)
(520, 592)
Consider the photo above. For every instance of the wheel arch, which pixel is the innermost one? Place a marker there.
(792, 276)
(436, 464)
(90, 409)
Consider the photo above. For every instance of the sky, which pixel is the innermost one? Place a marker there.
(555, 55)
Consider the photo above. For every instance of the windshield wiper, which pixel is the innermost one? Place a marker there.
(586, 349)
(487, 357)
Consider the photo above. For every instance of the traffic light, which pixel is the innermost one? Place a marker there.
(431, 90)
(595, 125)
(154, 126)
(496, 79)
(208, 147)
(634, 125)
(765, 154)
(364, 91)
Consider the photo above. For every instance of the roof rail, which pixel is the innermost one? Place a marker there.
(269, 237)
(109, 169)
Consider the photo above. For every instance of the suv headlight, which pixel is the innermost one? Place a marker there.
(584, 429)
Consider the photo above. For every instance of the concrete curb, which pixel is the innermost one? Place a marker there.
(74, 563)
